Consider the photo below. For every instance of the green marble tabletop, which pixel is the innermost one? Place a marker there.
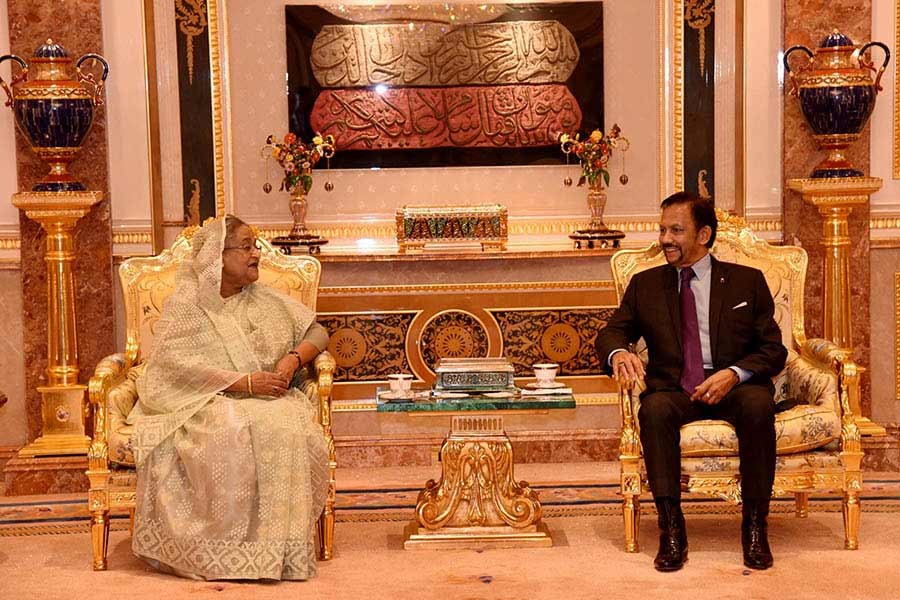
(425, 402)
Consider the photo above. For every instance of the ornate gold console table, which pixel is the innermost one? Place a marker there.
(477, 503)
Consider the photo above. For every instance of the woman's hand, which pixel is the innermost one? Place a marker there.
(264, 383)
(287, 366)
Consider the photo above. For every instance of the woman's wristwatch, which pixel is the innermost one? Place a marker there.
(297, 354)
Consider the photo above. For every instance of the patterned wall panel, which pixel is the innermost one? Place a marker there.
(368, 346)
(563, 335)
(453, 334)
(379, 330)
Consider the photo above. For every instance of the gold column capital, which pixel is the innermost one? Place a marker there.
(832, 192)
(48, 208)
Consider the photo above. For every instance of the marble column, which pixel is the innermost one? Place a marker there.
(808, 22)
(77, 26)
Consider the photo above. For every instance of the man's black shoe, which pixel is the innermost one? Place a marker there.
(673, 548)
(754, 535)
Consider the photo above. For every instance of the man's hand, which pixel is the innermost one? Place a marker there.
(627, 366)
(715, 387)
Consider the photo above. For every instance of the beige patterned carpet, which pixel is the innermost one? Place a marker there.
(586, 561)
(389, 495)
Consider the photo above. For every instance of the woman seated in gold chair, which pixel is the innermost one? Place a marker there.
(232, 465)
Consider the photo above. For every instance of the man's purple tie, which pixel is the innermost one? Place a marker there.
(692, 370)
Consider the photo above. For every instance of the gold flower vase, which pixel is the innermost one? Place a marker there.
(597, 234)
(300, 237)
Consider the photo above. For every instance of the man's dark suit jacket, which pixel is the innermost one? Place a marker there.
(742, 327)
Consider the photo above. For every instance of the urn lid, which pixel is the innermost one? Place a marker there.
(836, 39)
(50, 49)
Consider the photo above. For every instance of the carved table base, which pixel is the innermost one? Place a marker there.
(477, 503)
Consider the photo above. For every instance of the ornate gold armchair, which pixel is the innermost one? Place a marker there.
(146, 283)
(817, 438)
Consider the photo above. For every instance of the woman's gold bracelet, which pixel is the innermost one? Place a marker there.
(249, 384)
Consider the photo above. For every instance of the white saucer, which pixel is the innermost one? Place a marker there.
(498, 394)
(451, 395)
(534, 385)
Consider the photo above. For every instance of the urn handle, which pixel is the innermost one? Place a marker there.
(887, 59)
(22, 76)
(89, 78)
(795, 89)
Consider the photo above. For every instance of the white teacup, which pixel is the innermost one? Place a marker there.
(400, 382)
(545, 373)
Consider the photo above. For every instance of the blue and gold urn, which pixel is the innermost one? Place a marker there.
(54, 111)
(837, 95)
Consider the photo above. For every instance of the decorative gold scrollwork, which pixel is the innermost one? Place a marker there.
(191, 18)
(698, 14)
(477, 488)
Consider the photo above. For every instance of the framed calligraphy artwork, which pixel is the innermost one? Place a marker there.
(445, 84)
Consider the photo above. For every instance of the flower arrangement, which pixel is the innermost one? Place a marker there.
(593, 152)
(297, 158)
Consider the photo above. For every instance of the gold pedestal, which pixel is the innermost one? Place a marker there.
(63, 398)
(477, 503)
(835, 199)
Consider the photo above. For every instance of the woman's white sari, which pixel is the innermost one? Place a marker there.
(229, 486)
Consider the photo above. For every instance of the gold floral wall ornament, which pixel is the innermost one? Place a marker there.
(192, 21)
(698, 14)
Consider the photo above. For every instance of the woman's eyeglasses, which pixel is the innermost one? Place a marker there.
(257, 245)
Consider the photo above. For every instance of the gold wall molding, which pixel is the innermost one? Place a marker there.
(10, 243)
(661, 146)
(678, 109)
(442, 288)
(556, 227)
(215, 61)
(896, 95)
(890, 222)
(132, 237)
(897, 335)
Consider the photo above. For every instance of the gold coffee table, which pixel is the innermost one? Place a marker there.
(477, 503)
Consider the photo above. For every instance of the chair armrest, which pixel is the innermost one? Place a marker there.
(828, 355)
(629, 444)
(109, 373)
(324, 366)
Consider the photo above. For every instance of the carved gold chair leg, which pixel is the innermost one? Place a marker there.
(131, 521)
(100, 538)
(326, 521)
(801, 503)
(632, 513)
(850, 507)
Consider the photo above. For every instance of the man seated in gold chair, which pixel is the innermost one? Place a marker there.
(232, 465)
(713, 346)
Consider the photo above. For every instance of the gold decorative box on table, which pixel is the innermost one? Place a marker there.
(420, 225)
